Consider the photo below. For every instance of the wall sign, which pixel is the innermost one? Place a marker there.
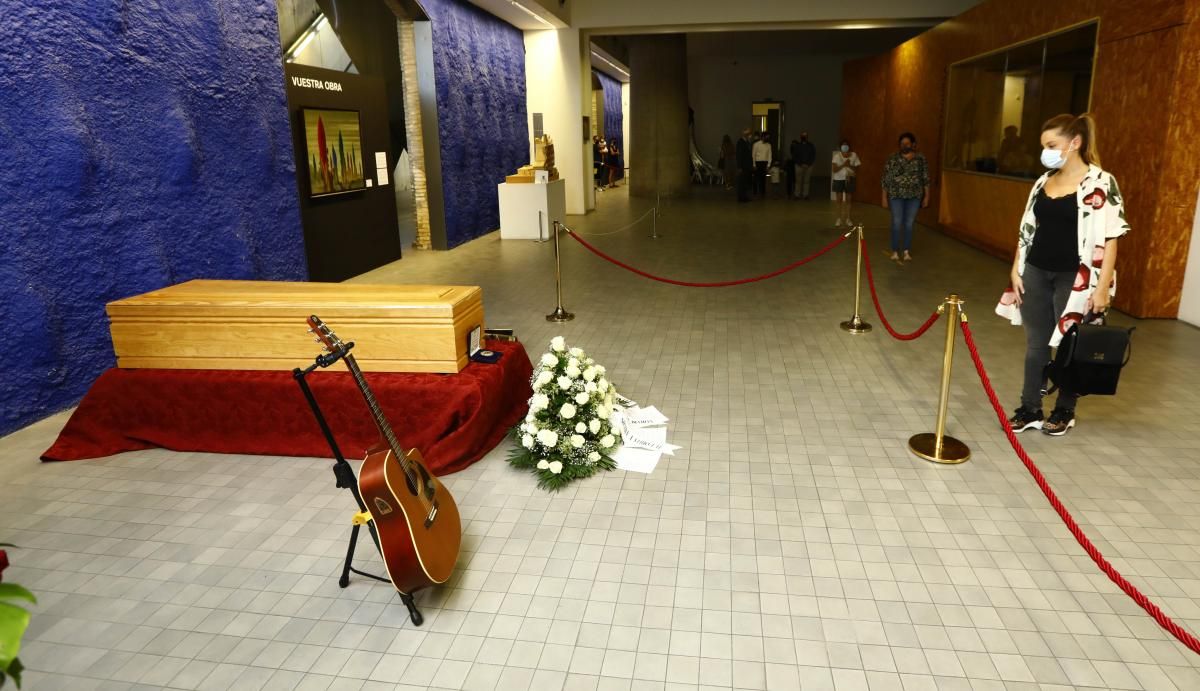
(318, 84)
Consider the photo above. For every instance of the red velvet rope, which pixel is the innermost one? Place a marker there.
(879, 310)
(1136, 595)
(718, 284)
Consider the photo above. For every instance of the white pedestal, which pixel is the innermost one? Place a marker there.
(520, 204)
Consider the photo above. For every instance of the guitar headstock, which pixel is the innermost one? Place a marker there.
(324, 335)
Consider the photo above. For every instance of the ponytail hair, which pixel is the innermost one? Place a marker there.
(1082, 126)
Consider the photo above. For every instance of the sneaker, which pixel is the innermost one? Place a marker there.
(894, 257)
(1059, 422)
(1026, 418)
(907, 257)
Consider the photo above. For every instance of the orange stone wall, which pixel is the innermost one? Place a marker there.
(1145, 97)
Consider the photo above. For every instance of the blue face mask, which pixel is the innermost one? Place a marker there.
(1054, 159)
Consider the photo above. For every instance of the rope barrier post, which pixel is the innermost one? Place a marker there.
(541, 236)
(936, 446)
(559, 314)
(855, 324)
(654, 219)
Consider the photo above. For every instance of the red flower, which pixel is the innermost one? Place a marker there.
(1083, 278)
(1096, 199)
(1098, 256)
(1068, 320)
(3, 563)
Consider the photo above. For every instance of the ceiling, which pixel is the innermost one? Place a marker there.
(798, 41)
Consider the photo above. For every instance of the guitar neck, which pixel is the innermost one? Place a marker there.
(385, 428)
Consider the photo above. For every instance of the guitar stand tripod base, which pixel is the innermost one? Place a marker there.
(344, 478)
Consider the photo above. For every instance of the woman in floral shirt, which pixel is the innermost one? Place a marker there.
(1063, 273)
(905, 190)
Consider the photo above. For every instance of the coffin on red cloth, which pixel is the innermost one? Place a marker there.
(454, 419)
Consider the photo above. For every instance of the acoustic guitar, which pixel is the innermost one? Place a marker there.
(416, 518)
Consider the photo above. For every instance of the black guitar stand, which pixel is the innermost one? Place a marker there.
(344, 478)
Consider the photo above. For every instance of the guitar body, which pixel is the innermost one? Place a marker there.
(418, 523)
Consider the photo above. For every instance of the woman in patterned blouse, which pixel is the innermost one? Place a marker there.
(905, 189)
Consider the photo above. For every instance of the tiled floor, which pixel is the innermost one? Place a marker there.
(793, 543)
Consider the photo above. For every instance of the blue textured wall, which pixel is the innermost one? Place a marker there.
(479, 64)
(612, 115)
(143, 145)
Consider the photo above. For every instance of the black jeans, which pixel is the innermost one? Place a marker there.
(760, 178)
(1045, 298)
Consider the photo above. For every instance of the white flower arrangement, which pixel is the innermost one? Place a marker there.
(568, 433)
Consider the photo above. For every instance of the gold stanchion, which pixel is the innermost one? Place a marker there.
(559, 314)
(936, 446)
(855, 324)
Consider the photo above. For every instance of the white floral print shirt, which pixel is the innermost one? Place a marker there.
(1101, 218)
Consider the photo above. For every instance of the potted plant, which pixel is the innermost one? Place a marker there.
(13, 622)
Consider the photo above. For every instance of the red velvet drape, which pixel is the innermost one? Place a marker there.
(453, 419)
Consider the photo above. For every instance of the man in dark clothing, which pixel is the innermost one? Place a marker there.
(745, 164)
(804, 155)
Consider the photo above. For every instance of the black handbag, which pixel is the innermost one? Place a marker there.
(1089, 359)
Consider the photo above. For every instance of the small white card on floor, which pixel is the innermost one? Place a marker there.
(636, 460)
(645, 417)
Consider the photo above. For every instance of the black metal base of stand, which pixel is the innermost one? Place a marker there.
(344, 478)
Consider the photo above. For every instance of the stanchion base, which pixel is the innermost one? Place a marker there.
(925, 445)
(560, 315)
(855, 326)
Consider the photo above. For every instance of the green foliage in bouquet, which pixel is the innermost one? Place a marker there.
(13, 622)
(568, 433)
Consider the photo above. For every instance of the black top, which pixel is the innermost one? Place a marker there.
(744, 159)
(1056, 241)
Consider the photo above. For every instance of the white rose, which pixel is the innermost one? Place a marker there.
(540, 401)
(567, 411)
(558, 344)
(530, 417)
(603, 412)
(603, 384)
(573, 362)
(543, 378)
(572, 372)
(594, 456)
(594, 425)
(543, 464)
(615, 418)
(555, 467)
(565, 383)
(581, 428)
(549, 360)
(581, 398)
(527, 441)
(577, 441)
(547, 437)
(600, 369)
(607, 441)
(590, 387)
(577, 352)
(589, 374)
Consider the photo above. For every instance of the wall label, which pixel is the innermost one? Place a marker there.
(319, 84)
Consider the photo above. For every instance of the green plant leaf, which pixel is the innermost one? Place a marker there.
(13, 622)
(14, 670)
(11, 591)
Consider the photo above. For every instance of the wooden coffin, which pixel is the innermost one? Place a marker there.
(260, 325)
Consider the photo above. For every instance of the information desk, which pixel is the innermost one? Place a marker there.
(453, 419)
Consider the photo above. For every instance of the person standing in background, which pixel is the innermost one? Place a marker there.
(613, 163)
(728, 160)
(804, 155)
(763, 155)
(905, 191)
(845, 163)
(745, 164)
